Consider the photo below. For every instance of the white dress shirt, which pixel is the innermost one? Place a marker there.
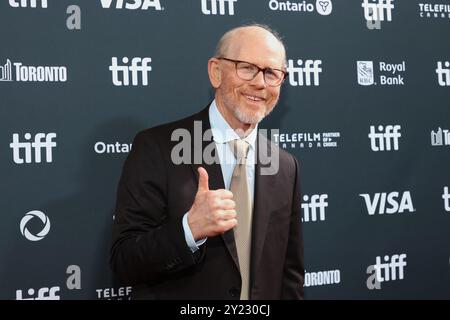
(222, 134)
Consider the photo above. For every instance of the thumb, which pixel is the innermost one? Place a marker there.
(202, 179)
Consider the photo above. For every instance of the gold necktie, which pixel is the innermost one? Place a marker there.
(241, 196)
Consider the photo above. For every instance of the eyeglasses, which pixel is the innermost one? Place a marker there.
(248, 71)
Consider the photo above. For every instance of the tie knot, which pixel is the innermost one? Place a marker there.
(239, 148)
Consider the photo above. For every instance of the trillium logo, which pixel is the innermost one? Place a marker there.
(30, 215)
(324, 7)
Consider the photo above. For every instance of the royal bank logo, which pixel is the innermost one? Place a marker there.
(384, 138)
(138, 71)
(389, 74)
(446, 197)
(16, 71)
(434, 10)
(322, 278)
(28, 3)
(218, 7)
(313, 207)
(391, 269)
(304, 73)
(132, 4)
(440, 137)
(378, 10)
(388, 202)
(306, 140)
(365, 73)
(25, 229)
(443, 73)
(322, 7)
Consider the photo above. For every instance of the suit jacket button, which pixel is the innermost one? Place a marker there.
(234, 292)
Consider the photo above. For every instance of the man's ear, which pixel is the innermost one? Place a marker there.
(214, 72)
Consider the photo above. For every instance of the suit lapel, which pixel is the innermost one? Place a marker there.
(214, 171)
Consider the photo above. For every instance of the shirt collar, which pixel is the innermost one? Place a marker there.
(221, 130)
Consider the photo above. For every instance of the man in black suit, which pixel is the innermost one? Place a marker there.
(227, 227)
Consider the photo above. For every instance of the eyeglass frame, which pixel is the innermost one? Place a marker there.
(259, 69)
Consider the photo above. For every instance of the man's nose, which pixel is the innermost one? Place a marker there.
(258, 80)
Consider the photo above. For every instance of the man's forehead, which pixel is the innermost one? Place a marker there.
(256, 44)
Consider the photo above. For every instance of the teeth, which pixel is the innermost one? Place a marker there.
(253, 98)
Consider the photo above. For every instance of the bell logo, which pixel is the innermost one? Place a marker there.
(446, 197)
(38, 144)
(215, 7)
(386, 139)
(138, 65)
(40, 235)
(388, 202)
(26, 3)
(380, 11)
(306, 74)
(443, 73)
(133, 4)
(310, 206)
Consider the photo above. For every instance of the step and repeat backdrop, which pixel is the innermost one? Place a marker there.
(365, 108)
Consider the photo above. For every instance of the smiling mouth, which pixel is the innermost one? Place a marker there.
(253, 98)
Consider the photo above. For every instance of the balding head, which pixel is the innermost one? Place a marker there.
(235, 40)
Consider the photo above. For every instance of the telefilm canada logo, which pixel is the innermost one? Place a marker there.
(17, 71)
(434, 10)
(306, 140)
(322, 7)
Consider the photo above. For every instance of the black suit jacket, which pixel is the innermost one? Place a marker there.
(149, 250)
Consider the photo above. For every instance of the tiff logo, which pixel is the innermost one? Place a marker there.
(380, 11)
(388, 202)
(133, 4)
(212, 8)
(41, 141)
(304, 75)
(138, 65)
(440, 137)
(385, 138)
(392, 268)
(443, 73)
(446, 197)
(26, 3)
(311, 206)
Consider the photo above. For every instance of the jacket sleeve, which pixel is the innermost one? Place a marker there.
(148, 243)
(294, 270)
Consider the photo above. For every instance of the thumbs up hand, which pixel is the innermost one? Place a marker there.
(213, 210)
